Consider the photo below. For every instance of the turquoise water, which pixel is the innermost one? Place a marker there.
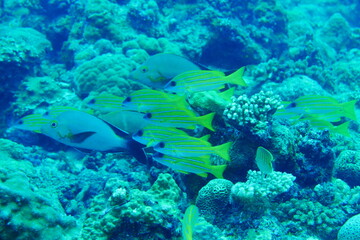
(65, 175)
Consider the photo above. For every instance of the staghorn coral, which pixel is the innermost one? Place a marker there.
(253, 114)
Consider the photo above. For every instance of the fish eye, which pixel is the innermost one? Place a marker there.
(46, 113)
(128, 99)
(21, 122)
(54, 124)
(140, 133)
(161, 145)
(292, 105)
(92, 101)
(144, 70)
(173, 84)
(148, 115)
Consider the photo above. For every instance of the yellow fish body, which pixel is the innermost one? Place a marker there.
(203, 80)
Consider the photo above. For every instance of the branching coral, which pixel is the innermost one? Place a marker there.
(261, 188)
(253, 114)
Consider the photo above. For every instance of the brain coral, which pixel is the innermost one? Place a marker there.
(347, 167)
(214, 197)
(351, 229)
(104, 73)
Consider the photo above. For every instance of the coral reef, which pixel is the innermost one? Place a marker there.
(104, 73)
(28, 211)
(135, 212)
(253, 114)
(260, 189)
(347, 167)
(58, 52)
(350, 230)
(214, 197)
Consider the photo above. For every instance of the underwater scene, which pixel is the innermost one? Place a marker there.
(187, 119)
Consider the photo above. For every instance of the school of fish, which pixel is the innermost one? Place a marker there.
(159, 124)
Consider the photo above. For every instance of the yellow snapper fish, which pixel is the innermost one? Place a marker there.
(320, 124)
(181, 118)
(320, 105)
(199, 165)
(189, 222)
(153, 134)
(84, 131)
(187, 146)
(158, 69)
(105, 102)
(32, 122)
(147, 99)
(203, 80)
(264, 160)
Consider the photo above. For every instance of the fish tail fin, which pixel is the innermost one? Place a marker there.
(237, 77)
(205, 137)
(206, 121)
(227, 94)
(136, 149)
(342, 129)
(218, 171)
(349, 109)
(223, 150)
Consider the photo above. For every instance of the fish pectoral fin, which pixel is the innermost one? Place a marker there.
(80, 137)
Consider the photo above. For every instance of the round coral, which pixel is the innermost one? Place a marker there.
(214, 197)
(351, 229)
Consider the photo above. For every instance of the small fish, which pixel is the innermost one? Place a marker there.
(314, 104)
(106, 102)
(181, 118)
(152, 134)
(57, 110)
(199, 165)
(160, 68)
(264, 160)
(32, 122)
(147, 99)
(203, 80)
(84, 131)
(187, 146)
(342, 129)
(189, 222)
